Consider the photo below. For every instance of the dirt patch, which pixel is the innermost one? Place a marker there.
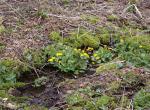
(27, 30)
(47, 95)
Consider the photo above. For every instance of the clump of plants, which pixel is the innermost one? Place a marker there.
(35, 107)
(91, 18)
(9, 72)
(114, 65)
(69, 59)
(2, 47)
(85, 99)
(131, 80)
(112, 17)
(135, 50)
(102, 55)
(42, 14)
(77, 39)
(34, 58)
(66, 58)
(9, 69)
(142, 100)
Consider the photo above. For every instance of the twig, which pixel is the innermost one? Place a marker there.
(137, 10)
(65, 17)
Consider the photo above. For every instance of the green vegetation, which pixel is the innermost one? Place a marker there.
(83, 98)
(2, 47)
(35, 107)
(112, 17)
(9, 70)
(102, 55)
(142, 100)
(132, 50)
(2, 28)
(42, 14)
(77, 39)
(91, 18)
(34, 58)
(108, 67)
(66, 58)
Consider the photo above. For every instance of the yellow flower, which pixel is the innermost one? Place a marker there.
(85, 54)
(51, 59)
(93, 62)
(140, 46)
(81, 55)
(59, 54)
(95, 55)
(83, 51)
(89, 49)
(97, 58)
(121, 40)
(75, 49)
(59, 62)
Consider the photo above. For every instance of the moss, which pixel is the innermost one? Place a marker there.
(113, 86)
(42, 14)
(6, 86)
(106, 67)
(35, 107)
(133, 1)
(55, 36)
(2, 29)
(112, 17)
(130, 80)
(103, 101)
(2, 47)
(91, 18)
(66, 2)
(3, 94)
(90, 105)
(142, 100)
(89, 99)
(74, 108)
(83, 38)
(109, 34)
(18, 100)
(77, 39)
(34, 58)
(75, 99)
